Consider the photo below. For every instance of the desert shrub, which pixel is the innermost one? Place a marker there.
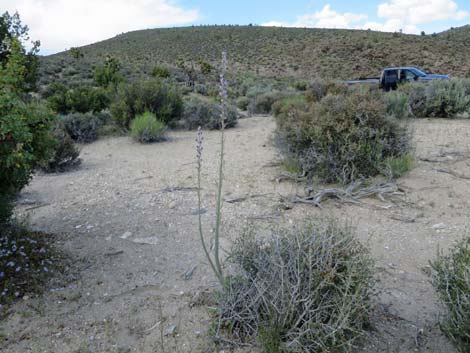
(146, 128)
(446, 99)
(25, 140)
(397, 105)
(242, 103)
(154, 96)
(64, 153)
(341, 138)
(82, 127)
(201, 89)
(319, 88)
(284, 105)
(198, 112)
(161, 72)
(308, 289)
(79, 99)
(398, 166)
(262, 103)
(108, 74)
(300, 85)
(451, 279)
(441, 99)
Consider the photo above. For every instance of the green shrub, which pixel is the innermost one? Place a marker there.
(80, 99)
(341, 138)
(446, 99)
(146, 128)
(153, 95)
(319, 88)
(398, 166)
(242, 103)
(308, 289)
(82, 127)
(451, 279)
(198, 112)
(397, 105)
(25, 140)
(64, 153)
(262, 103)
(108, 74)
(440, 99)
(160, 72)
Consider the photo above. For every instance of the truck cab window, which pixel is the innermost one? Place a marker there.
(409, 75)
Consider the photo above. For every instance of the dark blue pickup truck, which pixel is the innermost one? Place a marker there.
(392, 77)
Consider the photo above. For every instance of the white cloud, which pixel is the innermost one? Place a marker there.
(326, 18)
(408, 14)
(405, 15)
(60, 24)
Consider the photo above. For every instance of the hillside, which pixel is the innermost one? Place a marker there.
(272, 51)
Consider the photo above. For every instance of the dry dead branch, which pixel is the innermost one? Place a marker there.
(352, 193)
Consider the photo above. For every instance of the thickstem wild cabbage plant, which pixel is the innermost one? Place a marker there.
(214, 259)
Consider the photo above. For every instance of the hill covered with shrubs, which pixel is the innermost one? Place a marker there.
(266, 51)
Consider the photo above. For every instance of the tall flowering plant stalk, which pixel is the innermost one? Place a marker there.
(214, 259)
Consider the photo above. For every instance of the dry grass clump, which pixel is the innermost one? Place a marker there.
(451, 279)
(308, 289)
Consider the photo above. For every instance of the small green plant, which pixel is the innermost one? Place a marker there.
(398, 166)
(451, 279)
(146, 128)
(160, 72)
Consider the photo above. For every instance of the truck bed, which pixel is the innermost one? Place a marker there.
(368, 80)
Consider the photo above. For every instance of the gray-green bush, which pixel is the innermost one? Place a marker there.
(82, 127)
(342, 137)
(440, 99)
(308, 289)
(146, 128)
(451, 279)
(198, 112)
(64, 154)
(156, 96)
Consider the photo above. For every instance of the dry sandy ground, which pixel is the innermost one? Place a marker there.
(127, 218)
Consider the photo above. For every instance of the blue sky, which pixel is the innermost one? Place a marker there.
(61, 24)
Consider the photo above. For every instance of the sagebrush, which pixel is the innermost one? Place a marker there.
(451, 279)
(342, 137)
(306, 289)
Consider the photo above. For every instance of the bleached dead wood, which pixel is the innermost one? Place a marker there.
(352, 193)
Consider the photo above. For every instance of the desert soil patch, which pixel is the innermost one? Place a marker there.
(128, 220)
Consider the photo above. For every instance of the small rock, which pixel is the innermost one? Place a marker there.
(172, 205)
(78, 227)
(125, 235)
(439, 226)
(170, 330)
(89, 227)
(148, 241)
